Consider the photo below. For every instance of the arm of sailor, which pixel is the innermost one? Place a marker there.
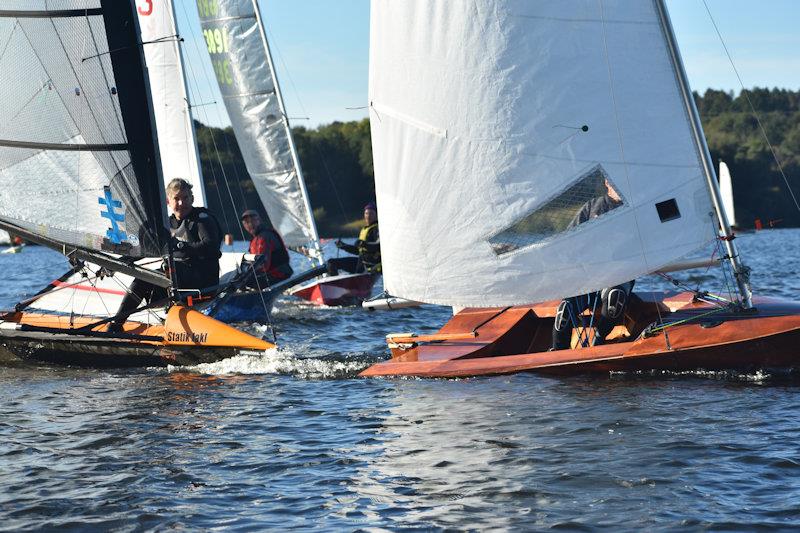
(209, 239)
(349, 248)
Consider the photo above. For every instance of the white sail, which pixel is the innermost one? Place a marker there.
(239, 52)
(494, 120)
(726, 190)
(176, 136)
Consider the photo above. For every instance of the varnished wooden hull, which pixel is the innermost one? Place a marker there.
(517, 339)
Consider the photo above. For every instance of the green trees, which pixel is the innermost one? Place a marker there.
(337, 162)
(734, 136)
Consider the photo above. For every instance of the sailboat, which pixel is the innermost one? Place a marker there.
(726, 192)
(240, 54)
(493, 121)
(78, 144)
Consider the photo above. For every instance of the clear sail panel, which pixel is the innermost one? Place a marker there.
(66, 169)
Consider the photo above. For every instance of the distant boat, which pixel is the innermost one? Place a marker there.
(726, 191)
(237, 43)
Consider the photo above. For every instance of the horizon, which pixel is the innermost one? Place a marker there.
(323, 69)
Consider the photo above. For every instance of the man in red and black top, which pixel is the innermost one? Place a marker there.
(273, 266)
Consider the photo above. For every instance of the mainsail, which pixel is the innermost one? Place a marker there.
(239, 52)
(78, 163)
(494, 121)
(180, 157)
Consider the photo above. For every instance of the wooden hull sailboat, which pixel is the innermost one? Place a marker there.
(496, 341)
(576, 125)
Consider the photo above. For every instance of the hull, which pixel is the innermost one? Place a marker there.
(249, 306)
(388, 304)
(187, 337)
(342, 290)
(496, 341)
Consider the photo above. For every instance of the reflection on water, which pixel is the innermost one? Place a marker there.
(292, 439)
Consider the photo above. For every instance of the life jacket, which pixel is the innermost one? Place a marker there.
(279, 257)
(187, 230)
(369, 235)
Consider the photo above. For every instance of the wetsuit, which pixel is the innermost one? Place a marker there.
(275, 264)
(368, 249)
(610, 302)
(195, 241)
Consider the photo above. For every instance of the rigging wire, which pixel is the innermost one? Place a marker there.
(746, 94)
(322, 157)
(222, 168)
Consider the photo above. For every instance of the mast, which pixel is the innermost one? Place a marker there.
(292, 148)
(740, 271)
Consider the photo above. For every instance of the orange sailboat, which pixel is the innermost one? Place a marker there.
(518, 115)
(80, 173)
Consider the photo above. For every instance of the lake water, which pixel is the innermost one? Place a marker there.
(294, 439)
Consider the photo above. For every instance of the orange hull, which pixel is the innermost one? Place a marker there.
(186, 337)
(495, 341)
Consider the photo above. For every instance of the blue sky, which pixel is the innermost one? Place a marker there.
(321, 50)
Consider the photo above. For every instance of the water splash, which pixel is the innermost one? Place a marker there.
(284, 361)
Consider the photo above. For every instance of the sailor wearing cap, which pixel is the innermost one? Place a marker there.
(267, 245)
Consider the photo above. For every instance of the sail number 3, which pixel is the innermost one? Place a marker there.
(144, 7)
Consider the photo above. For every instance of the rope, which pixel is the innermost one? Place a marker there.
(752, 108)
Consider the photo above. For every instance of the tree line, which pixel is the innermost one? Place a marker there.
(337, 162)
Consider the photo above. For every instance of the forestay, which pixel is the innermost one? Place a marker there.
(241, 58)
(176, 135)
(77, 158)
(494, 121)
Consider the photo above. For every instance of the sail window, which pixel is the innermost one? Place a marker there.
(589, 197)
(668, 210)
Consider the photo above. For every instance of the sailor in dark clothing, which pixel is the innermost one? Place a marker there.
(195, 239)
(611, 302)
(367, 247)
(270, 251)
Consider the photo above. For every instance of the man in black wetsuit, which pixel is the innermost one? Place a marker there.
(195, 239)
(611, 301)
(367, 247)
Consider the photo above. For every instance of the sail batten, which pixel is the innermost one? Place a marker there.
(546, 106)
(58, 13)
(64, 146)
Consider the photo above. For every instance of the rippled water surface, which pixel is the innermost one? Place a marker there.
(294, 439)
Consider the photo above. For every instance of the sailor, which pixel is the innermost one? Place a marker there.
(611, 302)
(272, 257)
(367, 248)
(195, 239)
